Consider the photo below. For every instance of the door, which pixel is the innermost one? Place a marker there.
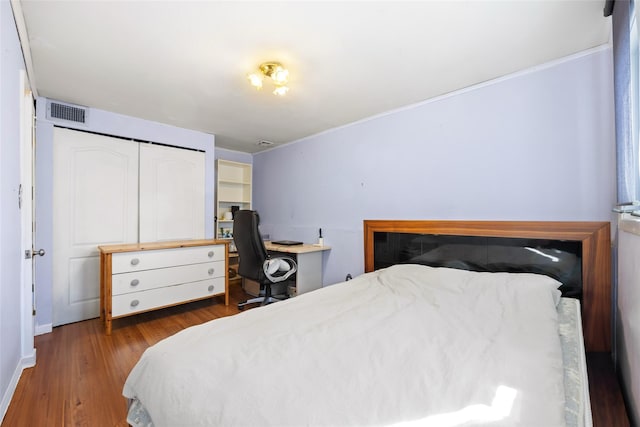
(25, 203)
(95, 202)
(171, 193)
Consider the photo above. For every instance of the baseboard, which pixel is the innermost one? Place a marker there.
(43, 329)
(29, 361)
(25, 362)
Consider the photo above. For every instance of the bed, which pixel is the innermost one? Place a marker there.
(406, 343)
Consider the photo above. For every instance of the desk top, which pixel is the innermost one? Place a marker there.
(135, 247)
(295, 249)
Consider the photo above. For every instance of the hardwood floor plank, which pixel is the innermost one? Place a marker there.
(80, 371)
(607, 405)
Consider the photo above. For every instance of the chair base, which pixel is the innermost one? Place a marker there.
(262, 300)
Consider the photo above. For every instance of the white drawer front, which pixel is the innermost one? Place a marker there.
(123, 262)
(147, 300)
(137, 281)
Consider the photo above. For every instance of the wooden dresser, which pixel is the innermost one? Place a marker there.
(140, 277)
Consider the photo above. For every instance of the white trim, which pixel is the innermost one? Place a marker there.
(21, 26)
(26, 214)
(27, 361)
(629, 223)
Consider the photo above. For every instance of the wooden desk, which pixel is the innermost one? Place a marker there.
(309, 260)
(234, 277)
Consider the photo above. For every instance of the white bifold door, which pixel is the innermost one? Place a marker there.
(95, 202)
(171, 194)
(110, 191)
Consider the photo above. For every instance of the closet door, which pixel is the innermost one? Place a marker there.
(95, 202)
(171, 193)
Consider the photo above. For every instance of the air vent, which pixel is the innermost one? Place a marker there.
(72, 113)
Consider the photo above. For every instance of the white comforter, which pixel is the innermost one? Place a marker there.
(406, 345)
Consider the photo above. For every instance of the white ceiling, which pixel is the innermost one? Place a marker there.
(185, 62)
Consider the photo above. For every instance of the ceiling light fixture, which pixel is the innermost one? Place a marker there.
(276, 72)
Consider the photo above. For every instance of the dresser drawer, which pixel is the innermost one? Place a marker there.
(146, 260)
(137, 281)
(135, 302)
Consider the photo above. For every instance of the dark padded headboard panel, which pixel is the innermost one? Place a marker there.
(560, 259)
(584, 249)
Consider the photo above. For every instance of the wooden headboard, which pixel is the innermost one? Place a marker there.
(596, 258)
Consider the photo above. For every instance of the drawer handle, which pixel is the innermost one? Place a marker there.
(210, 288)
(211, 270)
(135, 261)
(135, 303)
(210, 254)
(135, 282)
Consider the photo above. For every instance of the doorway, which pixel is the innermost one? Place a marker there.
(26, 205)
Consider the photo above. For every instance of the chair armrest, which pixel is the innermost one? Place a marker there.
(279, 269)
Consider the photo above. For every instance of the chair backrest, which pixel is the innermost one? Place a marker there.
(251, 251)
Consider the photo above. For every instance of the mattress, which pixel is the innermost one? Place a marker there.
(165, 377)
(576, 385)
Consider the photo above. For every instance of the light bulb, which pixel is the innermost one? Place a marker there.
(281, 90)
(255, 80)
(280, 76)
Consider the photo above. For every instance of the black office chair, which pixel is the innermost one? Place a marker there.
(254, 262)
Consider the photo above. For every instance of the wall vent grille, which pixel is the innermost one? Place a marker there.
(67, 112)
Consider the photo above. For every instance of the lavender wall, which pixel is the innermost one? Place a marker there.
(537, 145)
(233, 156)
(11, 62)
(111, 124)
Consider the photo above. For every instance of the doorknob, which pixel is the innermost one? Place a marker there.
(30, 253)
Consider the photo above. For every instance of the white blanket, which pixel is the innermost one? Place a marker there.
(406, 345)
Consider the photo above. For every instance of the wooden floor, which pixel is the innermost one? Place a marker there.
(607, 404)
(80, 372)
